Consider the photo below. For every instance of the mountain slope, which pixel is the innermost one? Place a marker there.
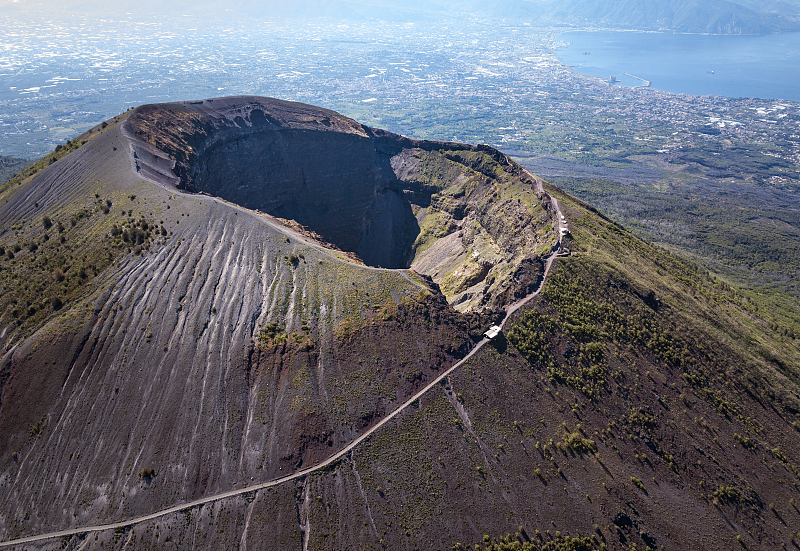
(634, 401)
(162, 345)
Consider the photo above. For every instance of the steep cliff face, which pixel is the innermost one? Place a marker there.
(292, 161)
(366, 191)
(482, 234)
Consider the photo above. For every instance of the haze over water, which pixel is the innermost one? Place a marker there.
(743, 66)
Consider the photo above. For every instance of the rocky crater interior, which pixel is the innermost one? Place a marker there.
(291, 174)
(438, 208)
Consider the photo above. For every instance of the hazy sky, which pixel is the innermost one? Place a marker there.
(715, 16)
(266, 8)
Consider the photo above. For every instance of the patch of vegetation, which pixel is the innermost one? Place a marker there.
(577, 443)
(745, 441)
(37, 429)
(727, 494)
(271, 334)
(544, 542)
(596, 306)
(531, 335)
(642, 418)
(438, 171)
(47, 263)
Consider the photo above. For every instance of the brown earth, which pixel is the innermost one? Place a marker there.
(635, 402)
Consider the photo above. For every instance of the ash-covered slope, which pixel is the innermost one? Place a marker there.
(160, 345)
(201, 347)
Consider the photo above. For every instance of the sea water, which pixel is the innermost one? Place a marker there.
(720, 65)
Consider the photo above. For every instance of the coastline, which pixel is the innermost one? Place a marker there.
(732, 66)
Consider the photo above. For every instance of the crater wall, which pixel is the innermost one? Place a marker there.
(451, 211)
(332, 183)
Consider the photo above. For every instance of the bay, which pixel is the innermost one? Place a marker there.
(719, 65)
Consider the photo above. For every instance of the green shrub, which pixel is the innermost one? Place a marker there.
(576, 443)
(745, 441)
(37, 428)
(594, 352)
(271, 334)
(641, 418)
(727, 494)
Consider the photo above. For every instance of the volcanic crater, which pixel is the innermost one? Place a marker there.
(435, 207)
(200, 350)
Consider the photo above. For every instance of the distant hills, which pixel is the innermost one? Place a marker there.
(691, 16)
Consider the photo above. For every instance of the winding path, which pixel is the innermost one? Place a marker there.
(510, 310)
